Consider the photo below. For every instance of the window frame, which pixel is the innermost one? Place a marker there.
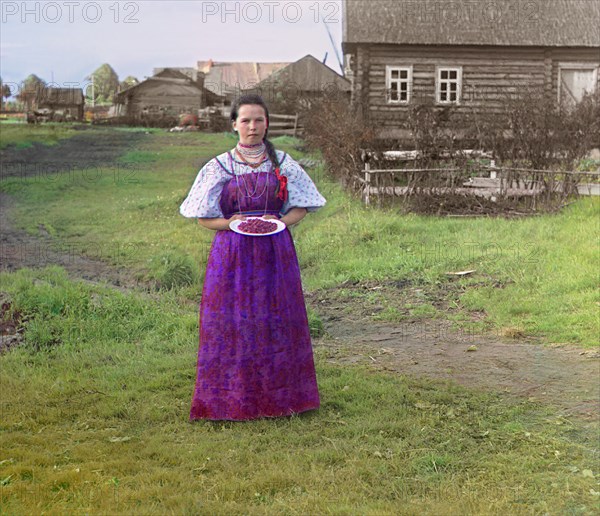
(388, 83)
(576, 66)
(438, 90)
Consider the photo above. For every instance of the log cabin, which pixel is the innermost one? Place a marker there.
(66, 103)
(169, 92)
(471, 55)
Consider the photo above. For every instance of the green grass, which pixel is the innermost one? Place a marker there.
(534, 277)
(95, 420)
(24, 135)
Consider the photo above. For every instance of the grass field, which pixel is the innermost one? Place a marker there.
(24, 135)
(94, 419)
(95, 402)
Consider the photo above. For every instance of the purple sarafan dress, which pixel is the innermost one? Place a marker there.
(255, 356)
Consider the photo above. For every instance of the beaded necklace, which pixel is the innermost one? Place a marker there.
(252, 195)
(252, 151)
(253, 165)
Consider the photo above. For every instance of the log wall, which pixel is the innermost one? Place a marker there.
(490, 75)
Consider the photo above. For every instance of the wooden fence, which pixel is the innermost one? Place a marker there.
(280, 125)
(480, 180)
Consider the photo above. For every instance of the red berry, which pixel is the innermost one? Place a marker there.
(257, 226)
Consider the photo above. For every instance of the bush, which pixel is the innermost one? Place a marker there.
(315, 324)
(341, 133)
(534, 132)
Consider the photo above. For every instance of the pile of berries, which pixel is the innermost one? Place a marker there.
(257, 226)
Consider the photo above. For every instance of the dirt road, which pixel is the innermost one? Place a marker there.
(566, 377)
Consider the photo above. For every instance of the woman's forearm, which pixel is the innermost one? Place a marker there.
(294, 216)
(216, 223)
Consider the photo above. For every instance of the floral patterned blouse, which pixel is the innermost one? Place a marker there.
(204, 196)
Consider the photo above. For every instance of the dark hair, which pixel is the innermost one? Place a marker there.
(255, 100)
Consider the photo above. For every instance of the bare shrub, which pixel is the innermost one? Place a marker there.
(341, 133)
(535, 132)
(432, 130)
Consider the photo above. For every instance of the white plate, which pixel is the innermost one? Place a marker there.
(235, 223)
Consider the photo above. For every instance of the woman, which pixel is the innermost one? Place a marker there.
(255, 356)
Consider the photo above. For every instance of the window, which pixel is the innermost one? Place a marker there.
(398, 84)
(448, 85)
(574, 80)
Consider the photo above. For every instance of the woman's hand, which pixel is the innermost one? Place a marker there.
(273, 217)
(293, 216)
(236, 217)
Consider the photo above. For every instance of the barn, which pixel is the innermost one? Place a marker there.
(466, 54)
(66, 103)
(168, 93)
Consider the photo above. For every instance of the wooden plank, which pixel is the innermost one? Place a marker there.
(285, 125)
(480, 192)
(286, 117)
(482, 182)
(282, 132)
(481, 167)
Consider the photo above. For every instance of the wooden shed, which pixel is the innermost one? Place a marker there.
(168, 93)
(471, 55)
(64, 102)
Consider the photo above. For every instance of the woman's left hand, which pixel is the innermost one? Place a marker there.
(272, 217)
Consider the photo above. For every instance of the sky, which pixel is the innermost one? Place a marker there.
(64, 41)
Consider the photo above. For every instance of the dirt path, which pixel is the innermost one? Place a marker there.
(92, 147)
(18, 249)
(566, 377)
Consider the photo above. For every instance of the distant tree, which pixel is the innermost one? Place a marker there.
(128, 82)
(106, 84)
(4, 93)
(32, 89)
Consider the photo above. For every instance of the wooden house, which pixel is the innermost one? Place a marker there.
(168, 93)
(468, 54)
(65, 103)
(305, 79)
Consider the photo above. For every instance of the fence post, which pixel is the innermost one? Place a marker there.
(493, 167)
(367, 182)
(295, 124)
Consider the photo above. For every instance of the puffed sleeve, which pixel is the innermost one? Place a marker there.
(204, 196)
(302, 192)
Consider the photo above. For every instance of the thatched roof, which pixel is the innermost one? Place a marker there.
(61, 96)
(196, 76)
(551, 23)
(307, 74)
(166, 86)
(176, 72)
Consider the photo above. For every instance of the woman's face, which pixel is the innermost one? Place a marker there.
(251, 124)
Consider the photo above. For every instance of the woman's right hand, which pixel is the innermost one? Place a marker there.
(235, 217)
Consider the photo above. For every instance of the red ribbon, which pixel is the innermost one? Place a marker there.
(283, 193)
